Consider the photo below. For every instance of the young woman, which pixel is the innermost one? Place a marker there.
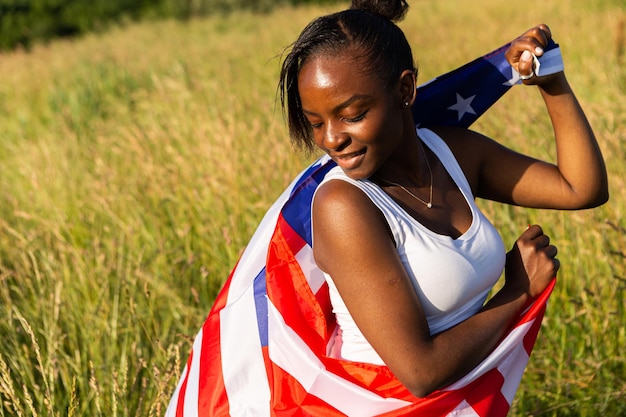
(408, 256)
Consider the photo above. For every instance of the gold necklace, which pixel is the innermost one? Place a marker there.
(429, 203)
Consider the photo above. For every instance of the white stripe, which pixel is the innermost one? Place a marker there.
(315, 277)
(551, 62)
(243, 366)
(513, 369)
(463, 410)
(252, 260)
(191, 392)
(290, 352)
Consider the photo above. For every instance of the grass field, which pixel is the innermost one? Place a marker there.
(130, 181)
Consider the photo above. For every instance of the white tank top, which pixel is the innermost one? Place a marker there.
(452, 277)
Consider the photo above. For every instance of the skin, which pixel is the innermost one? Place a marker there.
(369, 131)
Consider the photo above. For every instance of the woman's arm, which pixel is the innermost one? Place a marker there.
(578, 179)
(353, 244)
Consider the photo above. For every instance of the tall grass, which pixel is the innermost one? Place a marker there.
(135, 165)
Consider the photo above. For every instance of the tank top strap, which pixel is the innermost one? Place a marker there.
(445, 155)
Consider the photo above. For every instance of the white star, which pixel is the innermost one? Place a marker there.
(463, 105)
(515, 78)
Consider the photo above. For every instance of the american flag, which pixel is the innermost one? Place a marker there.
(262, 350)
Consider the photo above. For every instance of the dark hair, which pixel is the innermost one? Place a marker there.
(368, 26)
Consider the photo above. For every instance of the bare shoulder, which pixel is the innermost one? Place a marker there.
(471, 149)
(460, 140)
(337, 199)
(344, 218)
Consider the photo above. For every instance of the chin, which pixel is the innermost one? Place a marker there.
(358, 174)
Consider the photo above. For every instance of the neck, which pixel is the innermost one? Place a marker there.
(408, 166)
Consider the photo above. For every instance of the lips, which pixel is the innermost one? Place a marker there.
(349, 160)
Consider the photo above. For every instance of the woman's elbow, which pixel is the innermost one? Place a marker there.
(421, 387)
(601, 192)
(600, 197)
(421, 392)
(585, 198)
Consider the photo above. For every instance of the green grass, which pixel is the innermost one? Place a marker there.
(130, 183)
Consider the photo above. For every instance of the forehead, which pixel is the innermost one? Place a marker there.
(343, 72)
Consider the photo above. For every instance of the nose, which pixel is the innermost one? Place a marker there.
(334, 139)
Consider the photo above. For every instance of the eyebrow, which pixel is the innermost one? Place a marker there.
(341, 106)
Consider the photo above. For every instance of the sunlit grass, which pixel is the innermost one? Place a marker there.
(135, 165)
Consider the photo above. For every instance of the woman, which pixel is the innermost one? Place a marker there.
(408, 256)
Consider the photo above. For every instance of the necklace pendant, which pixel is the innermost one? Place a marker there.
(429, 205)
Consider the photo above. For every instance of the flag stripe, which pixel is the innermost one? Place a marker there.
(243, 350)
(260, 303)
(190, 404)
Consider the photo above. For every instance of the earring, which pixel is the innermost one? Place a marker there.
(406, 104)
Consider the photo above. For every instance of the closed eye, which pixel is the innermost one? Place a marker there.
(356, 119)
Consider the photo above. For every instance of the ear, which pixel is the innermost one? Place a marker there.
(407, 87)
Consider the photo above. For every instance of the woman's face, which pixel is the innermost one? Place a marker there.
(353, 117)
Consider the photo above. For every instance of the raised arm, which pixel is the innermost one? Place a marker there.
(353, 244)
(578, 179)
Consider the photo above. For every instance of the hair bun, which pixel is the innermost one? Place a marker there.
(393, 10)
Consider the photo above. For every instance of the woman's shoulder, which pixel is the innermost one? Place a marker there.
(344, 203)
(469, 148)
(344, 217)
(338, 195)
(458, 139)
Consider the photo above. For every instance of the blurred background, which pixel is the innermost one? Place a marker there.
(24, 22)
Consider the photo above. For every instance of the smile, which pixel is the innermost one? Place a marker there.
(350, 160)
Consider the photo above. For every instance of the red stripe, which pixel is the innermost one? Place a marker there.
(486, 397)
(483, 395)
(289, 290)
(538, 311)
(323, 299)
(212, 397)
(375, 378)
(289, 398)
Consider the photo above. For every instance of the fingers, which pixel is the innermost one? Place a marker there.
(542, 245)
(527, 65)
(535, 39)
(532, 231)
(523, 51)
(535, 234)
(531, 264)
(546, 30)
(551, 251)
(541, 242)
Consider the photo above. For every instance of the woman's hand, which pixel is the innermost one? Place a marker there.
(520, 53)
(532, 263)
